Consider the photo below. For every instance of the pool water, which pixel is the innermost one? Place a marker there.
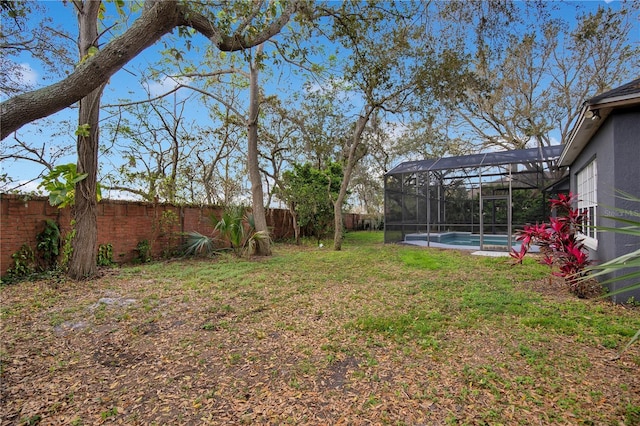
(461, 240)
(474, 240)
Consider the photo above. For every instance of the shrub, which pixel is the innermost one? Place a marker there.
(23, 263)
(67, 247)
(560, 245)
(144, 251)
(49, 244)
(235, 228)
(105, 255)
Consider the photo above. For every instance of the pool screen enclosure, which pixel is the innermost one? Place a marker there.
(468, 196)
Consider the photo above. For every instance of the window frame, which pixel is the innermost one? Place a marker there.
(587, 191)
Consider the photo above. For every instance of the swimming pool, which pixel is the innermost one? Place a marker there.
(462, 240)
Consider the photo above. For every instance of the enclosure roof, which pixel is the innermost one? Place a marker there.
(518, 156)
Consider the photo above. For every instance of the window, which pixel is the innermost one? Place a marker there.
(588, 201)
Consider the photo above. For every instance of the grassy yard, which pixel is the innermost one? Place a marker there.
(374, 334)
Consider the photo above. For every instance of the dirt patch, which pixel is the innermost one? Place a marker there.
(551, 287)
(336, 375)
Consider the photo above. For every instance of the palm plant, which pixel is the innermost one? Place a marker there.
(235, 230)
(197, 243)
(231, 228)
(627, 266)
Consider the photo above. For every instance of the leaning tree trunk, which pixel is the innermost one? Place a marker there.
(157, 19)
(294, 223)
(263, 245)
(83, 259)
(348, 171)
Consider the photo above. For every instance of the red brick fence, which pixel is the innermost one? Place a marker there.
(123, 224)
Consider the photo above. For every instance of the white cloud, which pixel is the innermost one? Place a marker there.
(165, 85)
(396, 130)
(27, 75)
(114, 194)
(24, 187)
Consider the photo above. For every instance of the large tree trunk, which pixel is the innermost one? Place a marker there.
(348, 171)
(263, 246)
(83, 259)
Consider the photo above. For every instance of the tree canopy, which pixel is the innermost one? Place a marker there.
(361, 84)
(311, 192)
(228, 30)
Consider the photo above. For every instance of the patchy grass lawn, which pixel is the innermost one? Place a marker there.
(374, 334)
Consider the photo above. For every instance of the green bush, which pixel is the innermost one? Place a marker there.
(49, 244)
(23, 263)
(105, 255)
(144, 251)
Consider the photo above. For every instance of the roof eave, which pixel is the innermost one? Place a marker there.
(585, 127)
(581, 133)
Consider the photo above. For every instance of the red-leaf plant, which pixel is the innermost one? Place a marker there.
(558, 242)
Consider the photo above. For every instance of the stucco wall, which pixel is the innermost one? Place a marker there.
(616, 146)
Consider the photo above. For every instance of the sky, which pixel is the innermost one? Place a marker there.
(124, 84)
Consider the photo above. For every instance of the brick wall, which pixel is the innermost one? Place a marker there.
(123, 224)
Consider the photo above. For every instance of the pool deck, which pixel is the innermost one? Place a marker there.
(476, 249)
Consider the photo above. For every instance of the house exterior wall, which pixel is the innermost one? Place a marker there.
(627, 179)
(616, 146)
